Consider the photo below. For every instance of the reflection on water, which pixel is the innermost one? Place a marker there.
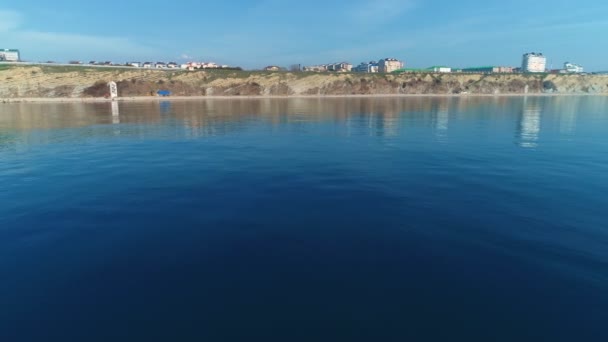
(115, 113)
(568, 110)
(529, 123)
(442, 121)
(165, 107)
(381, 117)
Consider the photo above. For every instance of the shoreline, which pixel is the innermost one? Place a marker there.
(261, 97)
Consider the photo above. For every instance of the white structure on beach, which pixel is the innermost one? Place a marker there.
(534, 62)
(113, 89)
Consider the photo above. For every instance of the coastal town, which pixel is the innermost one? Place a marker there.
(20, 78)
(530, 63)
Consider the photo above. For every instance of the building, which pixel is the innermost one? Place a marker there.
(573, 68)
(209, 65)
(441, 69)
(489, 70)
(272, 68)
(315, 68)
(335, 67)
(503, 70)
(340, 67)
(10, 55)
(371, 67)
(411, 71)
(387, 65)
(534, 62)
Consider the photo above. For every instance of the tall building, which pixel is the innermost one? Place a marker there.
(9, 55)
(389, 65)
(534, 62)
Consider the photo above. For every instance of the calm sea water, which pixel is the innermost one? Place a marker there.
(473, 219)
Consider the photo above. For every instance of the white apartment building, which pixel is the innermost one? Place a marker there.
(9, 55)
(573, 68)
(387, 65)
(534, 62)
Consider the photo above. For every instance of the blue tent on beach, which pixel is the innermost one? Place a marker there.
(163, 93)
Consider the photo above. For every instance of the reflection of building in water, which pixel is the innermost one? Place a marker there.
(441, 118)
(567, 122)
(382, 117)
(372, 117)
(529, 123)
(567, 108)
(391, 124)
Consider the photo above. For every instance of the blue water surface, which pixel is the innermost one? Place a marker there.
(353, 219)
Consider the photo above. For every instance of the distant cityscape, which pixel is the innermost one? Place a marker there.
(531, 63)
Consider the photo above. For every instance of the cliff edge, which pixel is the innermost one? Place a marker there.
(18, 81)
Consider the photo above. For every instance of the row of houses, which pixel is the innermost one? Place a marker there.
(385, 65)
(150, 65)
(203, 65)
(334, 67)
(173, 65)
(531, 63)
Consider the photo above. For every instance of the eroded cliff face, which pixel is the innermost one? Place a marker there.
(76, 82)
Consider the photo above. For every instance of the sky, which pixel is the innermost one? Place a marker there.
(256, 33)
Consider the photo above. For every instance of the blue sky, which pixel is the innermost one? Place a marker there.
(254, 34)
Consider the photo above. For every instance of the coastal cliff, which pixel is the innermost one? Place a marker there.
(85, 82)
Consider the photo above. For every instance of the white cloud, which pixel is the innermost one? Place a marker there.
(9, 20)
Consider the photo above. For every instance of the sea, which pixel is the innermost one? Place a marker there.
(305, 219)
